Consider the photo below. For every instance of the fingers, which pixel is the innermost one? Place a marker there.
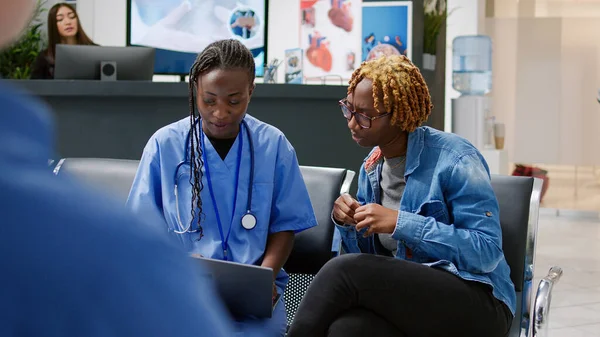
(342, 216)
(350, 202)
(343, 209)
(361, 213)
(362, 209)
(359, 216)
(362, 224)
(370, 231)
(371, 228)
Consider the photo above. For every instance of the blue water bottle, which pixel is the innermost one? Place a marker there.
(472, 64)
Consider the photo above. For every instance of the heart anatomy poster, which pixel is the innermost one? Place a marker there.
(330, 34)
(336, 35)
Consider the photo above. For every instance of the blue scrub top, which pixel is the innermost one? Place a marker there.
(280, 200)
(75, 262)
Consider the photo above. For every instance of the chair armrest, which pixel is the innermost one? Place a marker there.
(347, 183)
(543, 297)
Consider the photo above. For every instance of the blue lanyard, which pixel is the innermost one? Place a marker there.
(224, 240)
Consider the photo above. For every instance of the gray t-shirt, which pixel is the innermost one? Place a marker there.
(392, 186)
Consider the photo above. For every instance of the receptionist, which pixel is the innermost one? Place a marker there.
(64, 27)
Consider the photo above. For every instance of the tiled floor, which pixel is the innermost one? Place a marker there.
(573, 245)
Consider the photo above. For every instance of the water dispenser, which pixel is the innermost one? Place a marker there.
(472, 64)
(472, 77)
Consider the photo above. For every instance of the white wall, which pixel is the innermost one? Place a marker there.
(538, 90)
(105, 21)
(546, 76)
(285, 16)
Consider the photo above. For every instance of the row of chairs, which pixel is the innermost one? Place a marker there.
(518, 197)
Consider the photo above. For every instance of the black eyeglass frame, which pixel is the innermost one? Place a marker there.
(349, 113)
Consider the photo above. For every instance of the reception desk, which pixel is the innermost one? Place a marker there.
(115, 119)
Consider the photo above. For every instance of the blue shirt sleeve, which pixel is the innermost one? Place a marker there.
(291, 209)
(145, 195)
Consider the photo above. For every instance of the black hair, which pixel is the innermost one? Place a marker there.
(54, 37)
(223, 54)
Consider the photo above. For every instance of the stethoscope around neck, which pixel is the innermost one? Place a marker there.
(248, 220)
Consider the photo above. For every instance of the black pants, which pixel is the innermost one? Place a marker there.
(368, 295)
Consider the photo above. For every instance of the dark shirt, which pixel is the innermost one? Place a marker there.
(42, 68)
(222, 146)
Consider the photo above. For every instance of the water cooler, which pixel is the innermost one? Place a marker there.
(472, 116)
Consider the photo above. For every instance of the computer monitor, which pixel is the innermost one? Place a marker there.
(76, 62)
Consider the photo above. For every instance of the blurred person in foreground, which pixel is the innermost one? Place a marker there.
(75, 263)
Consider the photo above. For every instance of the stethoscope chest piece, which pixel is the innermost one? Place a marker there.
(249, 221)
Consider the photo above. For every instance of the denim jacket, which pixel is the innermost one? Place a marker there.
(448, 216)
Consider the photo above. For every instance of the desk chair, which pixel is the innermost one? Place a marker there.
(519, 201)
(312, 248)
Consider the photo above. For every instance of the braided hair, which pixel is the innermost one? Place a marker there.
(223, 54)
(402, 86)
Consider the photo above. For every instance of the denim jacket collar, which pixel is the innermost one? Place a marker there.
(416, 143)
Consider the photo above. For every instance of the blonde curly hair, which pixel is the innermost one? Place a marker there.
(402, 86)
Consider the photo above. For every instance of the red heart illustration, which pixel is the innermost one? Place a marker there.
(307, 3)
(320, 57)
(341, 18)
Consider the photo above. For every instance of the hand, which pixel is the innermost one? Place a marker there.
(376, 218)
(244, 22)
(196, 255)
(344, 208)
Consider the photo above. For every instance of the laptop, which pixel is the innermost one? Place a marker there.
(246, 290)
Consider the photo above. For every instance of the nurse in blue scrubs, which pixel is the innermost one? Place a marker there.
(228, 185)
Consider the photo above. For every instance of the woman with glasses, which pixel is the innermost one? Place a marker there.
(423, 232)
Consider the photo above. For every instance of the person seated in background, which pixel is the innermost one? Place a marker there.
(74, 262)
(64, 27)
(423, 232)
(229, 185)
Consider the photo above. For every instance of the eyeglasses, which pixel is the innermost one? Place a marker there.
(363, 120)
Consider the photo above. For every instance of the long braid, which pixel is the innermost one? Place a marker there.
(401, 86)
(223, 54)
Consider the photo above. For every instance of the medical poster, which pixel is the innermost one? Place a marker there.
(330, 35)
(293, 66)
(386, 29)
